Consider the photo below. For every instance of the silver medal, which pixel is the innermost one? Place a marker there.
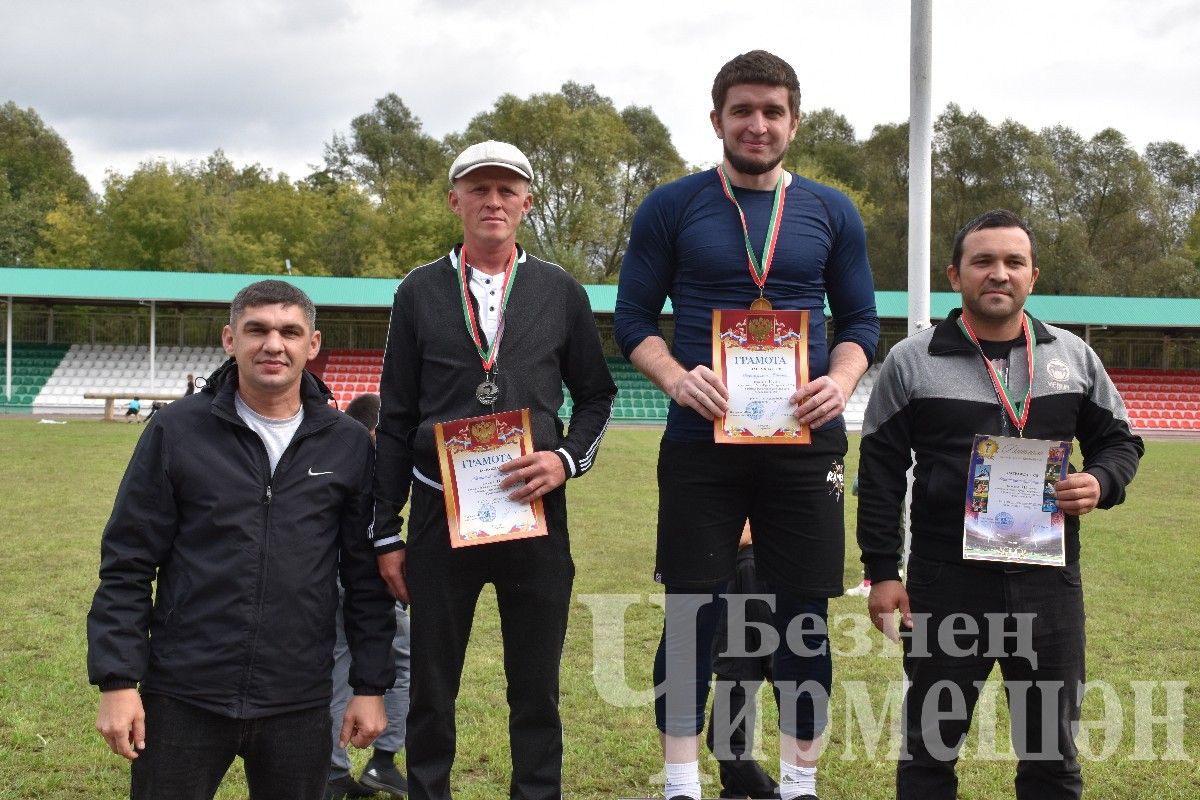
(487, 393)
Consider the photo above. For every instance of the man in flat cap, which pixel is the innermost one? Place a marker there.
(484, 335)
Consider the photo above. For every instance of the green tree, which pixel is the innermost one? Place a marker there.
(1176, 176)
(592, 165)
(68, 238)
(386, 144)
(250, 220)
(884, 178)
(825, 140)
(976, 167)
(145, 219)
(415, 224)
(37, 171)
(1191, 245)
(349, 243)
(648, 161)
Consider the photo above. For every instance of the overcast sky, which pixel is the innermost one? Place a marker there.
(270, 81)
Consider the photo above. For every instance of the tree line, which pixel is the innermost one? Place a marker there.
(1109, 220)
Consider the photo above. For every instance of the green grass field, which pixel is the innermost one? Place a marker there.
(1141, 564)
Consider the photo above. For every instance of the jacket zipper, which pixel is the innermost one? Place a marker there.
(261, 589)
(268, 497)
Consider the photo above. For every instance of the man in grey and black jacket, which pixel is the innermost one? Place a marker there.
(241, 506)
(486, 328)
(938, 389)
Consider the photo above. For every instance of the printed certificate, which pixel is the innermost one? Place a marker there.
(762, 357)
(1011, 513)
(470, 454)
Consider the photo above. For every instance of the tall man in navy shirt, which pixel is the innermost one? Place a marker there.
(689, 243)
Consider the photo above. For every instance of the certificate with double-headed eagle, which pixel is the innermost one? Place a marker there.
(470, 454)
(762, 357)
(1012, 514)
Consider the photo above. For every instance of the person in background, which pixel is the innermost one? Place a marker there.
(733, 745)
(381, 773)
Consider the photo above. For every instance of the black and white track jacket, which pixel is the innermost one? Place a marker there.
(934, 394)
(431, 371)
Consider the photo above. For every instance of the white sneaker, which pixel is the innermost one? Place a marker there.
(862, 590)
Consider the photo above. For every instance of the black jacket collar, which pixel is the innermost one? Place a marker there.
(948, 339)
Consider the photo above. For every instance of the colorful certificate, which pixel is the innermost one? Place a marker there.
(470, 454)
(1011, 513)
(762, 358)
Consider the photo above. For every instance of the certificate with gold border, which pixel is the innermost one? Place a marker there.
(470, 454)
(762, 358)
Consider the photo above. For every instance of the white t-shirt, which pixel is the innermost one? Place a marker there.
(276, 434)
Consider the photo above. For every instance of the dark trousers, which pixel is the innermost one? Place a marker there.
(683, 664)
(1031, 621)
(533, 580)
(189, 750)
(792, 496)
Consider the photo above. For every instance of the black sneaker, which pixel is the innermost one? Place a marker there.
(747, 778)
(345, 786)
(386, 779)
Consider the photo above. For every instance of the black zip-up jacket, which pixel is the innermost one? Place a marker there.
(247, 563)
(431, 370)
(934, 394)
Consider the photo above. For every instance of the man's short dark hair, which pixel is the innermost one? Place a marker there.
(757, 66)
(996, 218)
(269, 293)
(365, 409)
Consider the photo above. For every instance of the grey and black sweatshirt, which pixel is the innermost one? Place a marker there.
(431, 370)
(934, 394)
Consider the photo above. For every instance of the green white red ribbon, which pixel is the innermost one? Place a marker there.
(1018, 412)
(758, 271)
(487, 357)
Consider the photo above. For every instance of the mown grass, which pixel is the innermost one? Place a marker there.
(1141, 563)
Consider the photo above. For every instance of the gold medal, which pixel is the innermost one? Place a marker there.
(760, 304)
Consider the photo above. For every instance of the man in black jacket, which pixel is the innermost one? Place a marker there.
(938, 390)
(243, 502)
(487, 328)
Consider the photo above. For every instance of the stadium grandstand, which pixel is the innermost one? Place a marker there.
(114, 334)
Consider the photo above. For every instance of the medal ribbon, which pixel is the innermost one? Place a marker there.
(1018, 412)
(488, 357)
(757, 272)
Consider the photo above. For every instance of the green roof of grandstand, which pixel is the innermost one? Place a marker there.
(131, 286)
(128, 286)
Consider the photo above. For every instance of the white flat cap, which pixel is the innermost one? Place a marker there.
(491, 154)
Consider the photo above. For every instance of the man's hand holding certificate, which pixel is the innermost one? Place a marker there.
(762, 359)
(1012, 503)
(479, 496)
(532, 475)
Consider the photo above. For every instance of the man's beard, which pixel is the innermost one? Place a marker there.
(748, 166)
